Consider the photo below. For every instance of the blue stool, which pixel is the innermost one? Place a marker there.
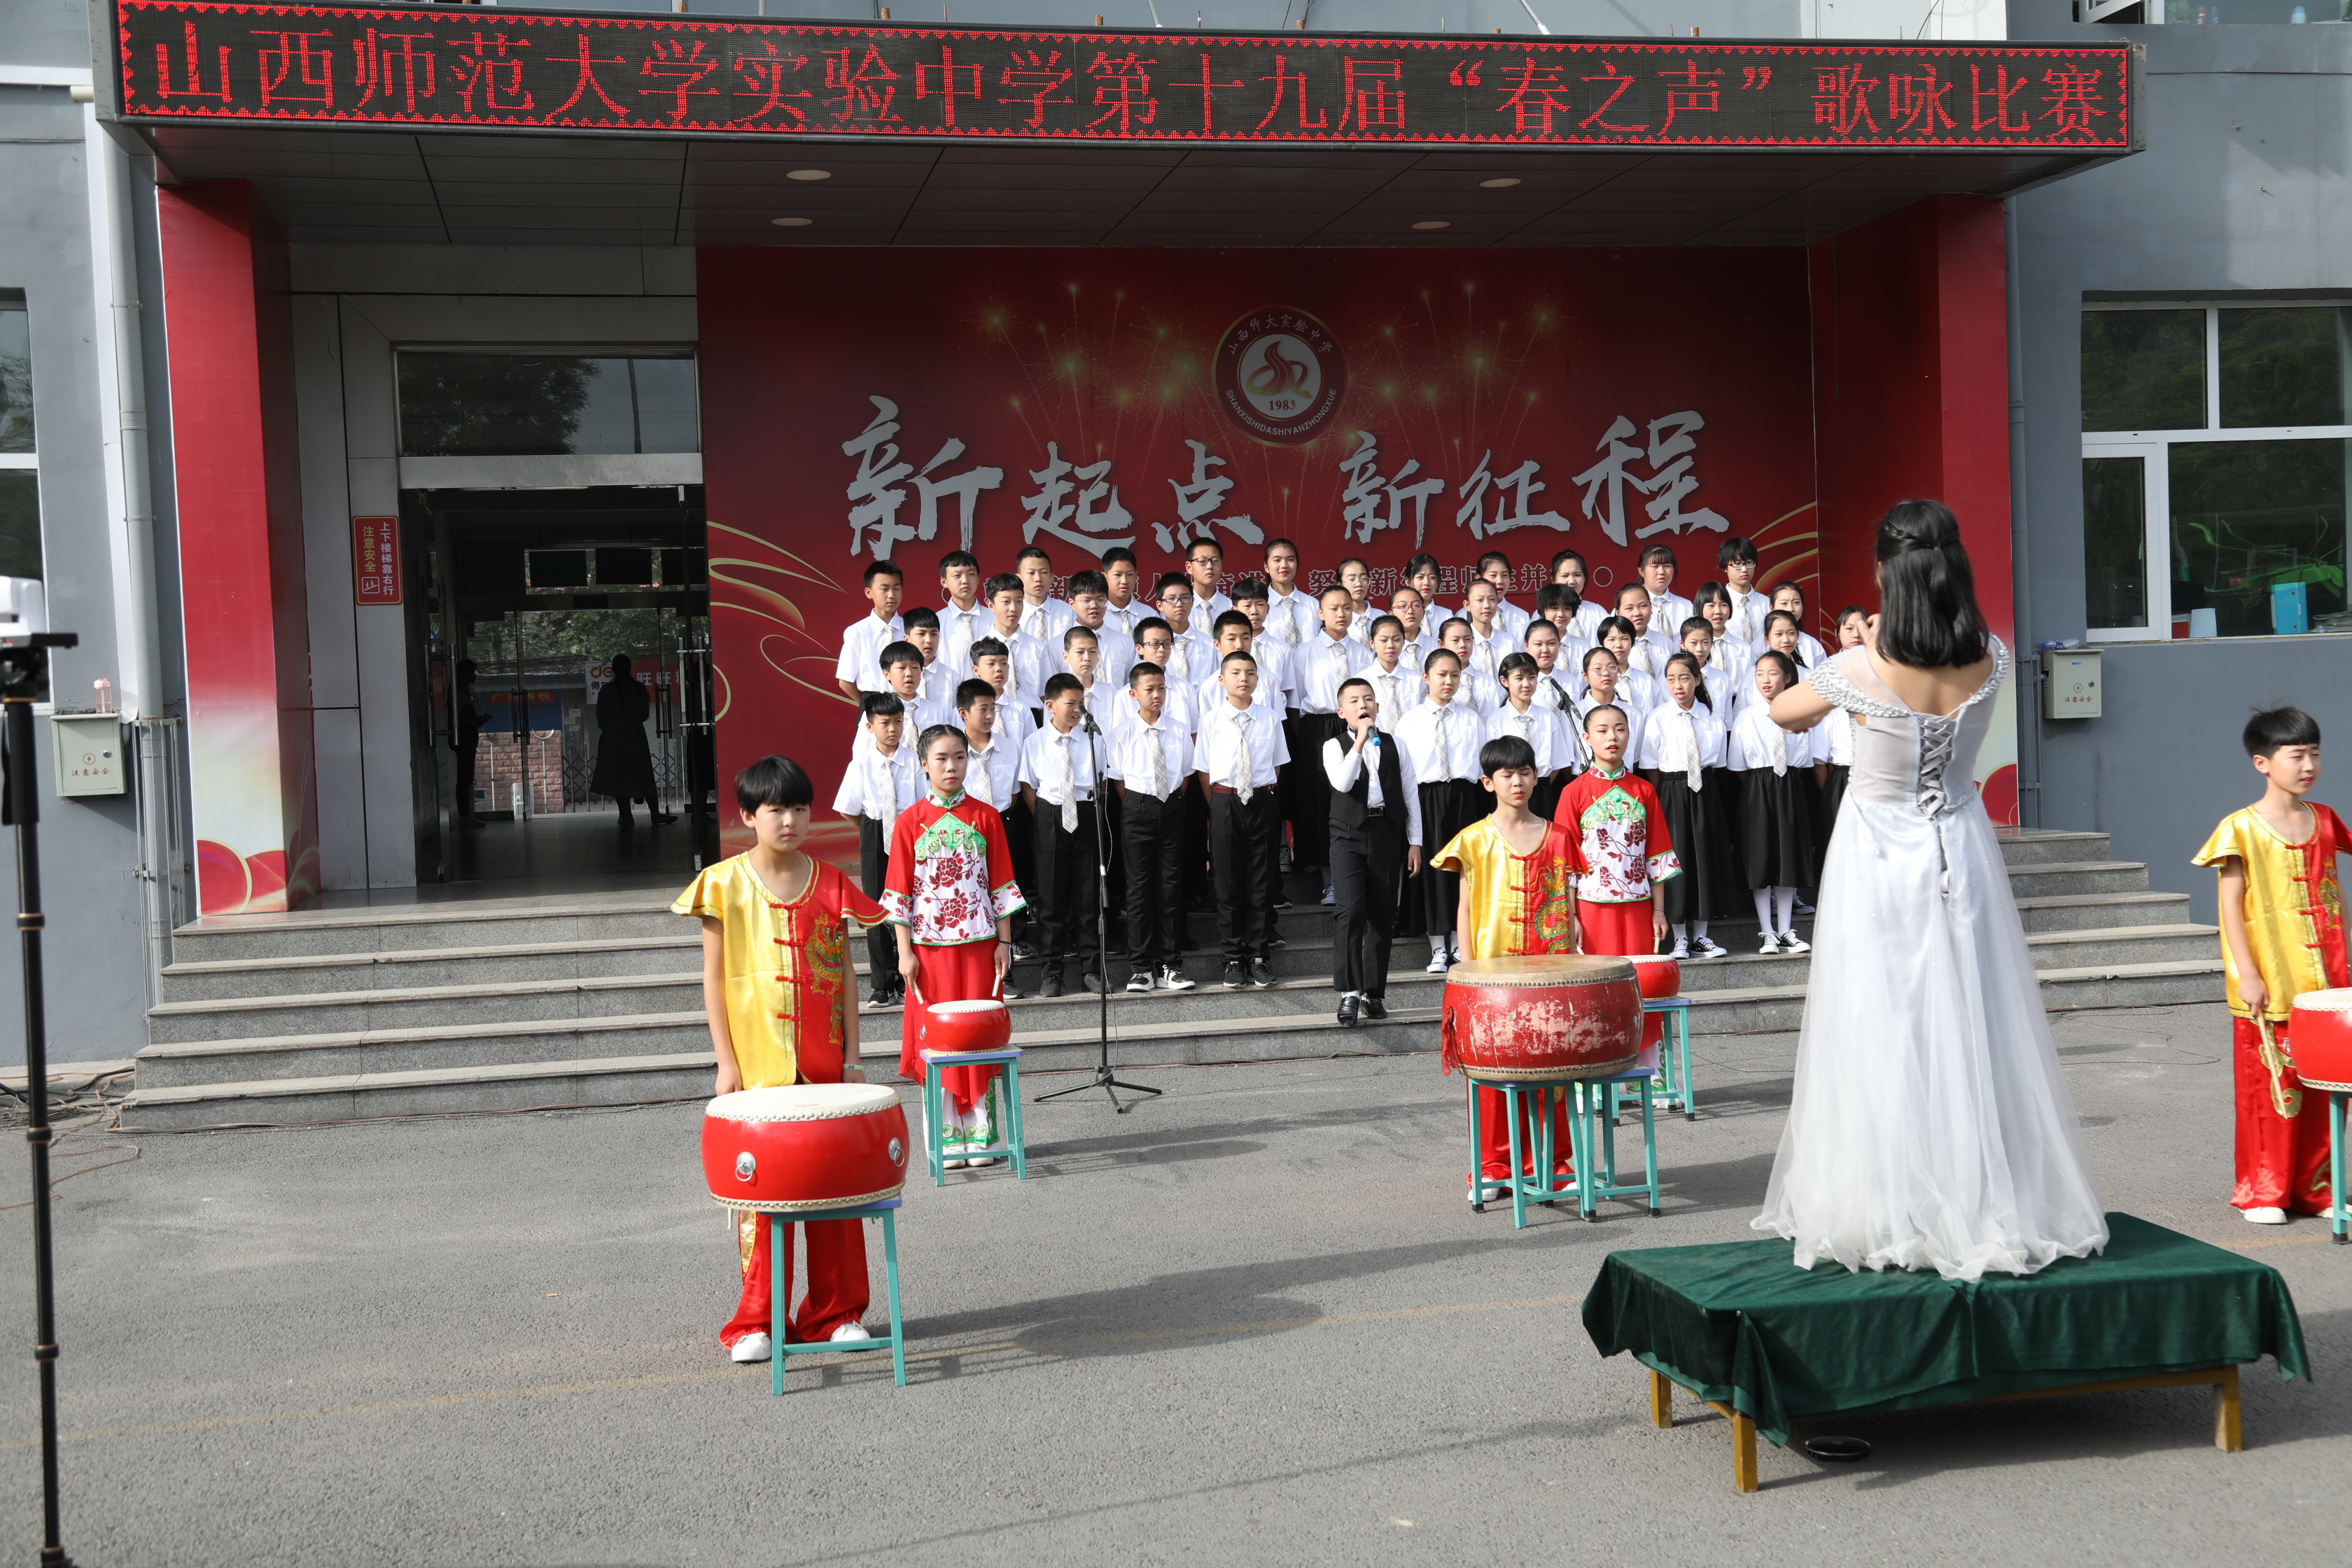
(2339, 1209)
(1597, 1100)
(1524, 1188)
(779, 1240)
(1676, 1090)
(1014, 1144)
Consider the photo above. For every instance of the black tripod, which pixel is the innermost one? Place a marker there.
(23, 660)
(1102, 1079)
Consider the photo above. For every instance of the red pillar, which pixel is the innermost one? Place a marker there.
(237, 491)
(1911, 399)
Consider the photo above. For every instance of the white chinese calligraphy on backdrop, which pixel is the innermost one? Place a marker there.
(875, 495)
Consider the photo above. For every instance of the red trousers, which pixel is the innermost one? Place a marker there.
(1623, 930)
(964, 973)
(837, 1286)
(2282, 1163)
(1495, 1133)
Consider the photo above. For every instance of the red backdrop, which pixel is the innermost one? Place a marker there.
(1450, 358)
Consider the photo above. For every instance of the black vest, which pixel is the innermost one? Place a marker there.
(1348, 808)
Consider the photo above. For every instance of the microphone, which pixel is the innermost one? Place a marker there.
(1087, 723)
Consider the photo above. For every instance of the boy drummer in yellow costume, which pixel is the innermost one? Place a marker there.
(2282, 934)
(776, 984)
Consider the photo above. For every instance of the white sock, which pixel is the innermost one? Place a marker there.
(1764, 910)
(1682, 930)
(1786, 898)
(1698, 929)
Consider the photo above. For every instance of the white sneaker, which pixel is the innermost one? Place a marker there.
(1174, 979)
(984, 1160)
(2265, 1217)
(1682, 948)
(1804, 908)
(953, 1164)
(1707, 947)
(850, 1331)
(1792, 943)
(1771, 944)
(1330, 896)
(753, 1346)
(1436, 958)
(1139, 980)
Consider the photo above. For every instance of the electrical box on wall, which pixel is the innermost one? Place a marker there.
(2072, 691)
(88, 752)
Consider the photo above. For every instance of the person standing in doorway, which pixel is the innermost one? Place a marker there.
(624, 759)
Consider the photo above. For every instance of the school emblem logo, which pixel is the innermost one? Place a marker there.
(1280, 376)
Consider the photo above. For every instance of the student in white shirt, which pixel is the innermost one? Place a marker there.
(1375, 812)
(1192, 658)
(1059, 767)
(1329, 656)
(1398, 687)
(1028, 661)
(1233, 636)
(1122, 611)
(1654, 641)
(993, 775)
(1496, 567)
(1082, 656)
(1641, 688)
(1276, 660)
(1668, 609)
(1291, 613)
(1555, 682)
(1558, 605)
(1490, 643)
(880, 782)
(1204, 563)
(1729, 657)
(1600, 678)
(1150, 758)
(1422, 574)
(1736, 559)
(1722, 688)
(1239, 759)
(939, 681)
(1441, 738)
(1779, 798)
(991, 663)
(1789, 596)
(1480, 691)
(1569, 570)
(1683, 753)
(1356, 575)
(1411, 608)
(1835, 747)
(1153, 643)
(859, 668)
(964, 616)
(1539, 725)
(1043, 616)
(902, 674)
(1089, 607)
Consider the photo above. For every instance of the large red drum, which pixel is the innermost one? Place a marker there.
(804, 1146)
(2319, 1037)
(1542, 1017)
(962, 1026)
(1660, 977)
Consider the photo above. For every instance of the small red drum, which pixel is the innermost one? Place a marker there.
(964, 1027)
(804, 1146)
(1659, 976)
(1542, 1017)
(2319, 1037)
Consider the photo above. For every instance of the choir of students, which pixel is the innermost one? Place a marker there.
(1230, 733)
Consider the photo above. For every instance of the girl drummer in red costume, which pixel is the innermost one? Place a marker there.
(950, 893)
(775, 928)
(1628, 855)
(1517, 897)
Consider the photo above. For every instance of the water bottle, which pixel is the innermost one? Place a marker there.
(102, 696)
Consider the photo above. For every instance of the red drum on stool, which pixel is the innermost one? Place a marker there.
(804, 1146)
(2319, 1037)
(964, 1027)
(1542, 1017)
(1660, 977)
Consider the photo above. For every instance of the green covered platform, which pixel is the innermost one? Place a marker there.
(1769, 1345)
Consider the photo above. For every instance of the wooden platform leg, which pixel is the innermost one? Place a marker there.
(1743, 1452)
(2228, 1436)
(1662, 1400)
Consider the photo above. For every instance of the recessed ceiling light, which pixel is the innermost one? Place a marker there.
(1491, 184)
(1432, 223)
(792, 222)
(810, 174)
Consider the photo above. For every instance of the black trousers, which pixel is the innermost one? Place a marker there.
(1197, 889)
(873, 866)
(1067, 862)
(1021, 837)
(1368, 875)
(1244, 842)
(1151, 842)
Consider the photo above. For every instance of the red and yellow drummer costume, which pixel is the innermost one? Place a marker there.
(950, 881)
(2295, 923)
(785, 968)
(1518, 904)
(1627, 850)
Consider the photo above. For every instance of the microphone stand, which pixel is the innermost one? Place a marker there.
(1102, 1079)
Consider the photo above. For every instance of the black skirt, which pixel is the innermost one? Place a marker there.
(1447, 806)
(1830, 796)
(1708, 886)
(1776, 829)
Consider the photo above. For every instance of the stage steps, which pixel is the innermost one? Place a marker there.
(515, 1004)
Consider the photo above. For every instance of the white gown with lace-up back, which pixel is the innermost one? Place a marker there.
(1930, 1127)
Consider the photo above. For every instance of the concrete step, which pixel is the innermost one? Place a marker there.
(2082, 912)
(1778, 1007)
(444, 1047)
(2037, 847)
(676, 950)
(2058, 879)
(490, 922)
(347, 1011)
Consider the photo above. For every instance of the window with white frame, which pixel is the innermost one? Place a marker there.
(20, 485)
(2215, 448)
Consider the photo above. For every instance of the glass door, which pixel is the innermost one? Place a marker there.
(2126, 585)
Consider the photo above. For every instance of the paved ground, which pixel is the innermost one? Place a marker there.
(1251, 1323)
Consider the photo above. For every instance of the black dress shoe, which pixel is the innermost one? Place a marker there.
(1050, 986)
(1375, 1008)
(1235, 976)
(1346, 1012)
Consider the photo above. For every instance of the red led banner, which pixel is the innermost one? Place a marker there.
(416, 65)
